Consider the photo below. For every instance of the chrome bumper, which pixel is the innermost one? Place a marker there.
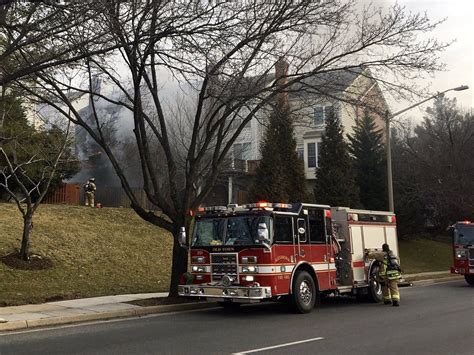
(231, 292)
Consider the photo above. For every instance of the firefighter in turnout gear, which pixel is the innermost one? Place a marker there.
(89, 192)
(389, 273)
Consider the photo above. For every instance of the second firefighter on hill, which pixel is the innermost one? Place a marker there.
(89, 192)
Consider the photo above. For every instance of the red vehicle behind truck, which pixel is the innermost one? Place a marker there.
(463, 250)
(295, 252)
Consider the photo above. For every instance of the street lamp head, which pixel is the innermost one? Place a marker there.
(461, 88)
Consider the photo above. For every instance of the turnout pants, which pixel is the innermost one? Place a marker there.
(390, 290)
(89, 199)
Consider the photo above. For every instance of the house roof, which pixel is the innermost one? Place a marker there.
(329, 82)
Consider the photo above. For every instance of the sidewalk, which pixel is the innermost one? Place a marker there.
(108, 307)
(83, 310)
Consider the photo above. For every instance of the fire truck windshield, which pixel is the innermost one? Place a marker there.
(464, 235)
(235, 230)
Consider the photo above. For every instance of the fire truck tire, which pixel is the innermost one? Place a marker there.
(469, 279)
(304, 293)
(375, 294)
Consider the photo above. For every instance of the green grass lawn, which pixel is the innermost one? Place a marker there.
(423, 255)
(95, 252)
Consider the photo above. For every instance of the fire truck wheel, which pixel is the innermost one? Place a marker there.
(304, 293)
(469, 279)
(375, 294)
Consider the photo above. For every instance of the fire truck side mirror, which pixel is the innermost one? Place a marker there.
(263, 233)
(182, 237)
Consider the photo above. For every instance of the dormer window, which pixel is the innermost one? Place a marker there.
(321, 113)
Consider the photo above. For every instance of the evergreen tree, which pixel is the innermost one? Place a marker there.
(280, 176)
(21, 141)
(368, 152)
(335, 183)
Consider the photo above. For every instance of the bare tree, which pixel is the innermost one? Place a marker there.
(21, 179)
(222, 54)
(38, 35)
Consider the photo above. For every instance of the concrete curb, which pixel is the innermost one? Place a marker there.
(438, 280)
(80, 318)
(14, 325)
(411, 281)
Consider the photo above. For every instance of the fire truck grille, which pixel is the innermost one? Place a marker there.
(471, 256)
(224, 264)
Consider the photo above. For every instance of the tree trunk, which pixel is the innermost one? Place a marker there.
(25, 241)
(179, 264)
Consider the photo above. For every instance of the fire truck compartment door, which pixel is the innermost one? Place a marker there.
(303, 250)
(391, 238)
(375, 236)
(357, 247)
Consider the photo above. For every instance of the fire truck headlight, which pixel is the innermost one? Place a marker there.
(249, 269)
(461, 254)
(248, 278)
(249, 260)
(198, 259)
(196, 268)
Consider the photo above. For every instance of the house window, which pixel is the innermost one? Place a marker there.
(321, 113)
(318, 115)
(300, 152)
(242, 151)
(313, 151)
(312, 155)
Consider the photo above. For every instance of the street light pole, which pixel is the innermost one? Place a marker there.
(388, 119)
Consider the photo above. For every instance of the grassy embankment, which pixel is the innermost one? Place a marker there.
(111, 251)
(423, 255)
(95, 252)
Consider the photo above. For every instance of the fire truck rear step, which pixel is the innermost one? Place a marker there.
(344, 289)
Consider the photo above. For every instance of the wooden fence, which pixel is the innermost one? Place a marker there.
(73, 194)
(69, 194)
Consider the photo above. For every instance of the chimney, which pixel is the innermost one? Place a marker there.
(281, 68)
(281, 73)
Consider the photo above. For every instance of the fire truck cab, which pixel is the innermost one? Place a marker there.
(298, 251)
(463, 250)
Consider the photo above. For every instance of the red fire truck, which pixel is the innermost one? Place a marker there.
(296, 252)
(463, 250)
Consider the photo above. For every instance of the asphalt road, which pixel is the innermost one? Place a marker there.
(434, 319)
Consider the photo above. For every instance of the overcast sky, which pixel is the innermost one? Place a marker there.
(459, 57)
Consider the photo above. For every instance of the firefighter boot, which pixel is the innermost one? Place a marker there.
(387, 302)
(395, 304)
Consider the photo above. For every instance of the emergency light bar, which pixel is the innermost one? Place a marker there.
(268, 205)
(212, 209)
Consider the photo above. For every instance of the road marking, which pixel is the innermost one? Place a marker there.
(278, 346)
